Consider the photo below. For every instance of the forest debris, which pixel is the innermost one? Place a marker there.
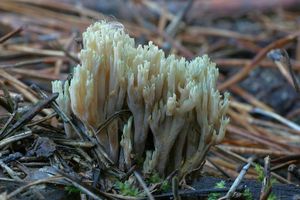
(259, 56)
(92, 192)
(232, 42)
(29, 115)
(281, 59)
(267, 182)
(10, 34)
(43, 147)
(40, 181)
(238, 180)
(293, 169)
(143, 184)
(14, 138)
(175, 188)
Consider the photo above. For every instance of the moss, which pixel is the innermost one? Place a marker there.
(260, 172)
(215, 196)
(127, 189)
(71, 189)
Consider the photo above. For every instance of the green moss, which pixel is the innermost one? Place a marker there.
(154, 178)
(127, 189)
(165, 186)
(215, 196)
(247, 194)
(272, 196)
(71, 189)
(220, 185)
(260, 172)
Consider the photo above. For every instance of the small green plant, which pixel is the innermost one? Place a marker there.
(215, 196)
(272, 196)
(165, 186)
(127, 189)
(260, 172)
(155, 178)
(220, 184)
(71, 189)
(247, 194)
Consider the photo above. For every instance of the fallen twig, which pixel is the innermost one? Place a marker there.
(143, 184)
(92, 192)
(280, 57)
(22, 188)
(29, 115)
(237, 181)
(14, 138)
(267, 185)
(259, 56)
(10, 34)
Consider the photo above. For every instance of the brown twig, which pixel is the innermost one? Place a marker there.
(10, 34)
(280, 58)
(237, 181)
(143, 184)
(29, 115)
(21, 189)
(267, 185)
(259, 56)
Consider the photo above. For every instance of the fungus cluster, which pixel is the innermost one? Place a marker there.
(174, 103)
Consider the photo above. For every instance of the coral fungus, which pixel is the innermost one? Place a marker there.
(174, 102)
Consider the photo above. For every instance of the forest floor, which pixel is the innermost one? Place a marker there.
(255, 46)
